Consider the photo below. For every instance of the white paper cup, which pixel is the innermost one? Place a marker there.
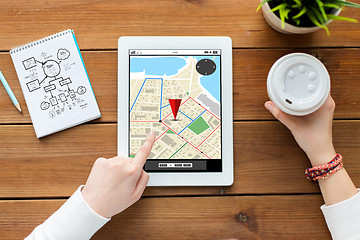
(298, 84)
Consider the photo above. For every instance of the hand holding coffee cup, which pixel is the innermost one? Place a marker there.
(313, 130)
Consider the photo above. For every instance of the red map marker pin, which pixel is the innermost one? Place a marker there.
(175, 104)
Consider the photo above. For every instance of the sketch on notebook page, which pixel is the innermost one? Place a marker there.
(60, 92)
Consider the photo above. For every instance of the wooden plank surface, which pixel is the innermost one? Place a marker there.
(98, 24)
(267, 160)
(249, 83)
(268, 217)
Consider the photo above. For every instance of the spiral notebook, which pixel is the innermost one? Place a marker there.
(55, 83)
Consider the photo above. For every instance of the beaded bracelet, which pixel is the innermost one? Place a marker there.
(324, 171)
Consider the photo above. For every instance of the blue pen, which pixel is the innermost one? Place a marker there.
(10, 92)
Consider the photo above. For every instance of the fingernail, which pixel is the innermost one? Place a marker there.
(268, 106)
(151, 134)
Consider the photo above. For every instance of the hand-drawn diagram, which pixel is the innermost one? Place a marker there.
(59, 91)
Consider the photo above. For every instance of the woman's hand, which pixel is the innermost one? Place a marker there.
(312, 132)
(115, 184)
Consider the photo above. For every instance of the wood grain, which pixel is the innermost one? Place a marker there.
(267, 160)
(249, 83)
(98, 24)
(268, 217)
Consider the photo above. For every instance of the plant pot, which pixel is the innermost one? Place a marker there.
(275, 22)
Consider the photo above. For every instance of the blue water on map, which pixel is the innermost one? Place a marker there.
(157, 65)
(212, 82)
(170, 66)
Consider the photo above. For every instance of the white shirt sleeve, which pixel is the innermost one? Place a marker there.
(343, 218)
(75, 219)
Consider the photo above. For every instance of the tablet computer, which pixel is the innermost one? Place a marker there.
(180, 88)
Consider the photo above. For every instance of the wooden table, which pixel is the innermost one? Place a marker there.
(270, 198)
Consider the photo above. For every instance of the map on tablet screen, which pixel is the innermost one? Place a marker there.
(176, 94)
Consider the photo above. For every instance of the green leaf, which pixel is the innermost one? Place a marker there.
(322, 10)
(334, 17)
(260, 5)
(318, 15)
(346, 4)
(312, 17)
(282, 17)
(302, 12)
(297, 4)
(280, 6)
(331, 5)
(297, 21)
(327, 30)
(286, 13)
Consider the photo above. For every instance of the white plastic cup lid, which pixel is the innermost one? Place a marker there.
(298, 84)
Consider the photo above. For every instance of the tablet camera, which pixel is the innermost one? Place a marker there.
(206, 67)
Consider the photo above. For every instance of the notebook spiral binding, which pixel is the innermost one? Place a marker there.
(39, 41)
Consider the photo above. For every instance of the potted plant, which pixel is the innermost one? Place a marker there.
(303, 16)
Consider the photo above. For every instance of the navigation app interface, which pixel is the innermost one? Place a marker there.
(177, 95)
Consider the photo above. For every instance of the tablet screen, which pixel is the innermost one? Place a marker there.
(176, 94)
